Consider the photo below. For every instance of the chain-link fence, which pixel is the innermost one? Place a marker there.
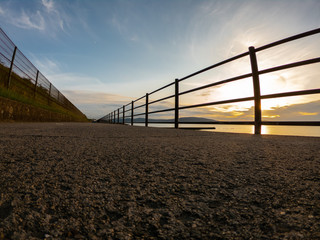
(20, 76)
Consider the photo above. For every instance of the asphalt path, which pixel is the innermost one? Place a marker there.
(102, 181)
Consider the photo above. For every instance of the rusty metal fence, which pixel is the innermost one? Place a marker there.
(119, 115)
(19, 75)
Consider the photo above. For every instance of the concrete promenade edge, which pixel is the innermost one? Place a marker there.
(102, 181)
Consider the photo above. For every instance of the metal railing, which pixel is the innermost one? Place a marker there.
(19, 75)
(119, 115)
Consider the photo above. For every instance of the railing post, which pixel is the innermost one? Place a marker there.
(114, 114)
(147, 110)
(176, 104)
(49, 94)
(123, 114)
(11, 66)
(118, 115)
(132, 105)
(35, 85)
(256, 90)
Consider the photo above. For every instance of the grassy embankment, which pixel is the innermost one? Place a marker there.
(22, 90)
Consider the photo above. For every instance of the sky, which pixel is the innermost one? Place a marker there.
(102, 54)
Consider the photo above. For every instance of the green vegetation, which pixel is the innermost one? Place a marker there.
(23, 90)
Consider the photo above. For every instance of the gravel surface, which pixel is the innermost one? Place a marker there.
(100, 181)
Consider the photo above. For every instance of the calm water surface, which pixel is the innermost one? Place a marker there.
(273, 130)
(310, 131)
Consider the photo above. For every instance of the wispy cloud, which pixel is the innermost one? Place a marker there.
(54, 15)
(44, 16)
(45, 65)
(29, 21)
(49, 5)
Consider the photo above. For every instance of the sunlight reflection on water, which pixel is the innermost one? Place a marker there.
(310, 131)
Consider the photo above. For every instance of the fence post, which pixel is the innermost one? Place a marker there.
(11, 66)
(49, 94)
(115, 117)
(132, 105)
(176, 104)
(35, 85)
(256, 90)
(123, 114)
(118, 115)
(147, 110)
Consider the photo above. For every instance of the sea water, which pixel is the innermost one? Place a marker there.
(310, 131)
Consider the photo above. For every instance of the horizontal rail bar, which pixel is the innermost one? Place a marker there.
(215, 65)
(168, 85)
(140, 106)
(159, 122)
(290, 65)
(219, 102)
(290, 94)
(139, 114)
(221, 122)
(139, 99)
(161, 99)
(289, 39)
(196, 128)
(279, 123)
(164, 110)
(217, 83)
(292, 123)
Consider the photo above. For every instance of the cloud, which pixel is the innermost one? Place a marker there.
(54, 16)
(45, 16)
(296, 112)
(45, 65)
(96, 104)
(49, 5)
(29, 21)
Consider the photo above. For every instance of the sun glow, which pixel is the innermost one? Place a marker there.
(308, 113)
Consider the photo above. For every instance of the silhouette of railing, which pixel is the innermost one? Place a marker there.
(119, 115)
(19, 75)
